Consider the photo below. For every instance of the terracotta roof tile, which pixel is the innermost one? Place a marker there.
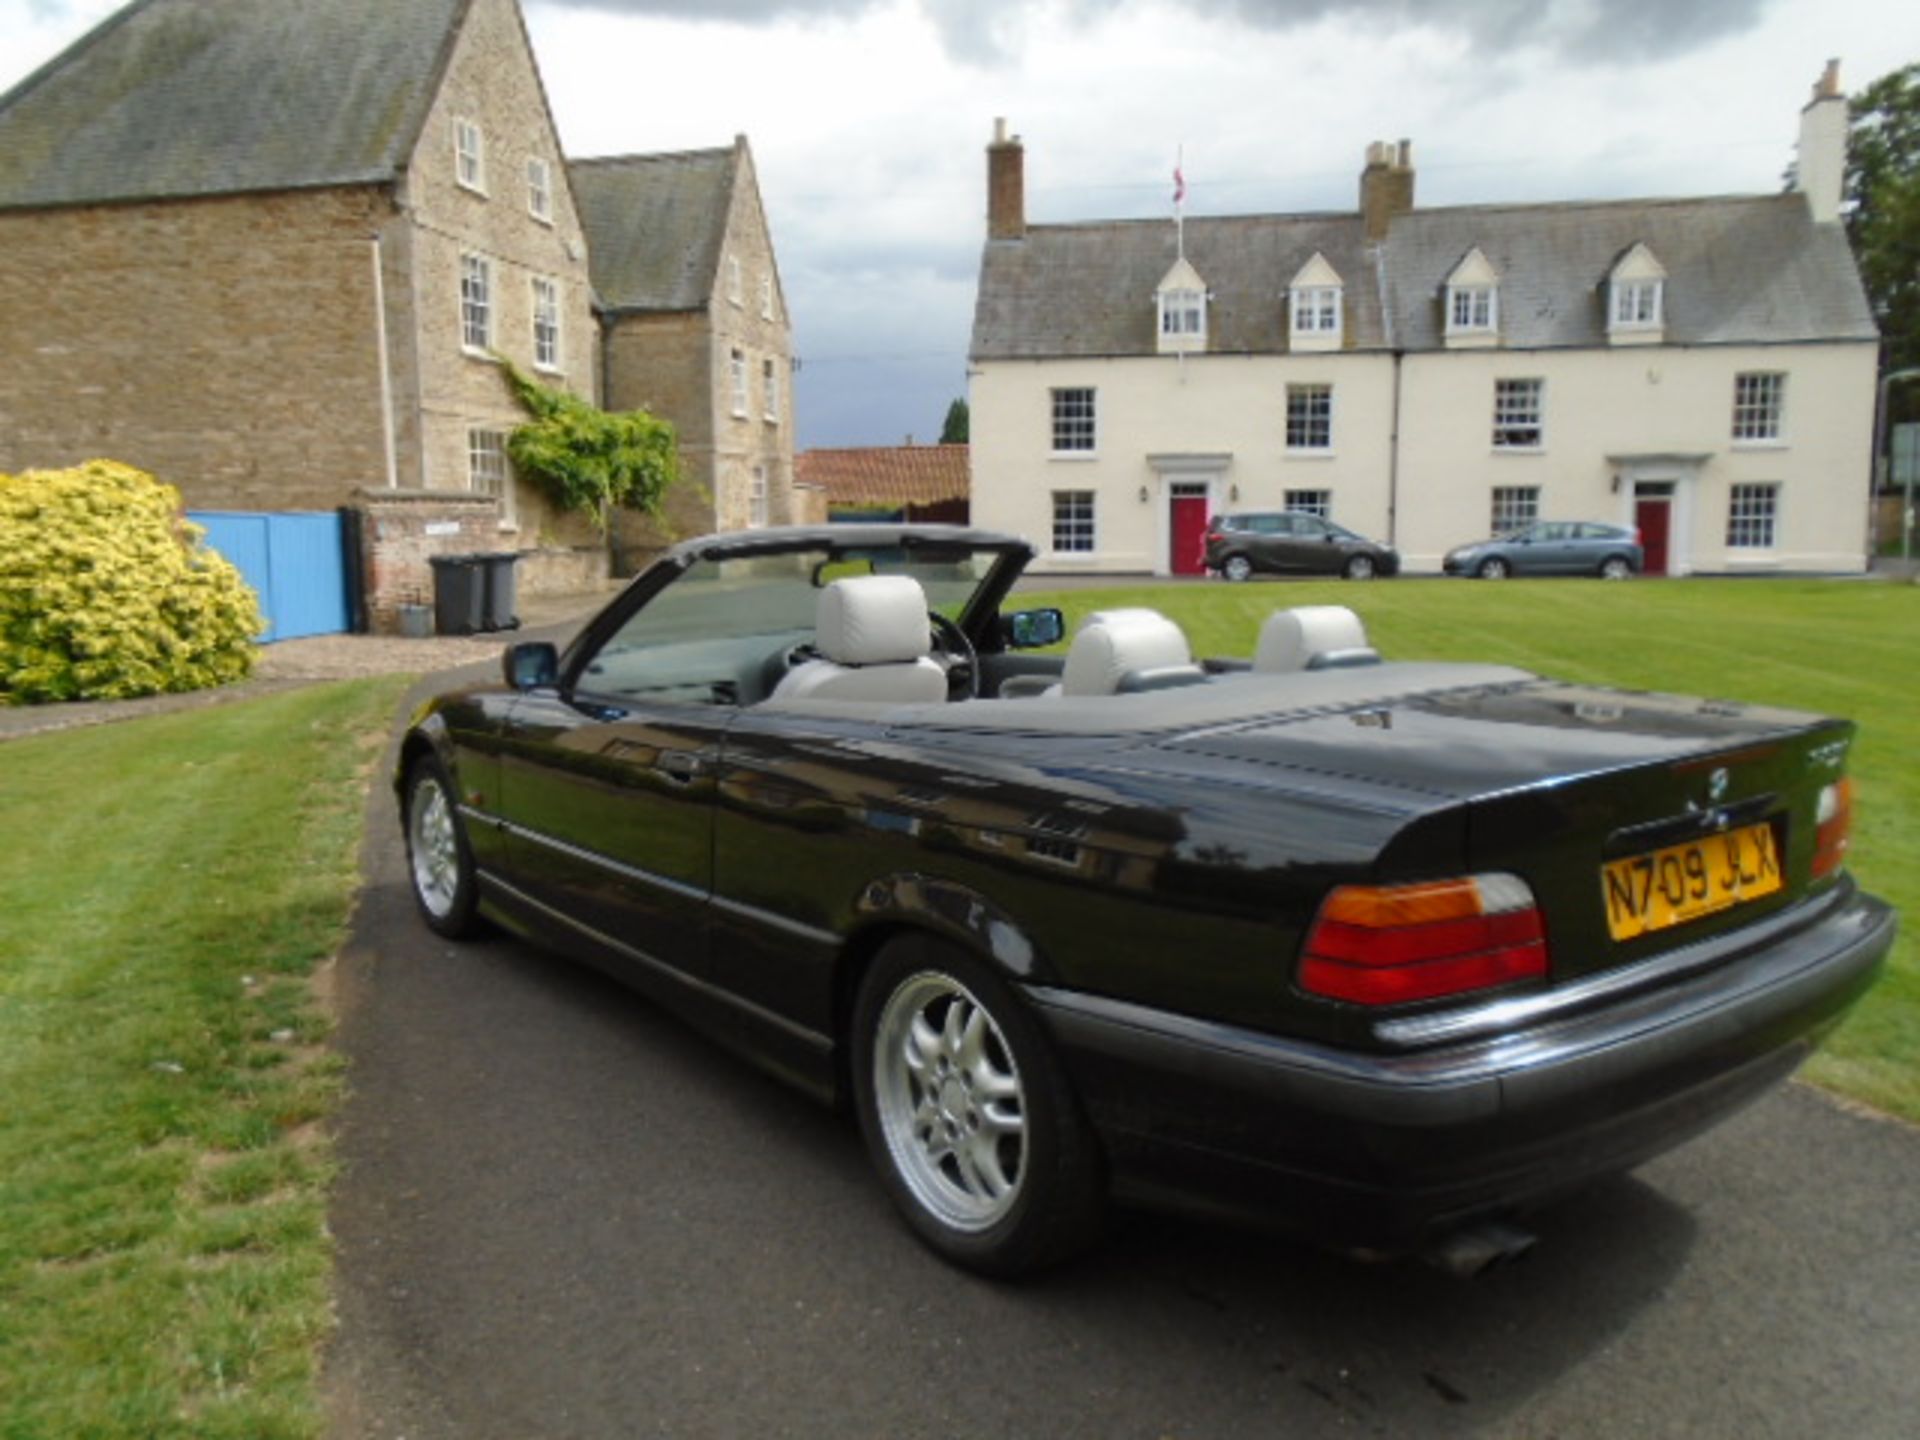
(887, 474)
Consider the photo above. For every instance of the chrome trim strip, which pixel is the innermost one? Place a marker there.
(660, 967)
(800, 930)
(594, 857)
(1515, 1012)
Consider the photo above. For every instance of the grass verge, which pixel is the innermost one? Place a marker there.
(170, 885)
(1833, 647)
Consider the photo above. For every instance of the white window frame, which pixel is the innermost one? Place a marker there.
(489, 471)
(757, 498)
(469, 155)
(734, 292)
(1310, 414)
(770, 391)
(1513, 506)
(1519, 407)
(1753, 515)
(1316, 310)
(476, 304)
(546, 323)
(1311, 502)
(1637, 304)
(766, 297)
(1183, 314)
(1075, 519)
(1074, 421)
(540, 189)
(1759, 407)
(1473, 309)
(737, 373)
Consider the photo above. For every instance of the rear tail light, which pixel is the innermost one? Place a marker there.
(1392, 944)
(1834, 826)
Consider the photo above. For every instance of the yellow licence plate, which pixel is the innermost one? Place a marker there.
(1683, 882)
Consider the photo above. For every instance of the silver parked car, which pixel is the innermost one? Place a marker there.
(1552, 547)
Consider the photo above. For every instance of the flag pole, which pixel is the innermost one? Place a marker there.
(1180, 201)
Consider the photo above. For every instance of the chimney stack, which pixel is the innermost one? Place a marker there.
(1386, 186)
(1820, 167)
(1006, 185)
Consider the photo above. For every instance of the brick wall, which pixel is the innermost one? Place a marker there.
(226, 345)
(400, 533)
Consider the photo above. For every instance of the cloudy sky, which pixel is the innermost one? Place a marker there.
(868, 120)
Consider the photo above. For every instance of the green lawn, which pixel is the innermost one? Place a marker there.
(169, 884)
(1839, 647)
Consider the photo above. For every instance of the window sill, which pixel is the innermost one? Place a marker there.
(553, 370)
(1304, 452)
(1753, 560)
(538, 218)
(486, 356)
(1072, 455)
(1758, 444)
(1074, 557)
(479, 192)
(1519, 449)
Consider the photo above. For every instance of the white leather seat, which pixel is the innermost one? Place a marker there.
(1126, 650)
(1312, 637)
(873, 637)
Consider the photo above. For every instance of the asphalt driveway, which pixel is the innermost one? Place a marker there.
(564, 1215)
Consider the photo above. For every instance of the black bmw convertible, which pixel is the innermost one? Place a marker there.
(1384, 951)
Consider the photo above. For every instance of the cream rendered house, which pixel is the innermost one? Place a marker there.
(1701, 368)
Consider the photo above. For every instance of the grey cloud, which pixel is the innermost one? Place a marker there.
(1598, 32)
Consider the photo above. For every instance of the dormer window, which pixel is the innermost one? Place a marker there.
(1636, 297)
(1314, 298)
(1181, 301)
(1183, 312)
(1473, 302)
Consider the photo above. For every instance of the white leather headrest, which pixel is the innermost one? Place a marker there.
(1113, 643)
(872, 620)
(1291, 638)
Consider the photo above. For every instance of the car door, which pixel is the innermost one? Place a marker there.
(607, 787)
(1314, 549)
(1279, 545)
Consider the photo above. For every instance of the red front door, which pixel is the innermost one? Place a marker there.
(1651, 514)
(1189, 534)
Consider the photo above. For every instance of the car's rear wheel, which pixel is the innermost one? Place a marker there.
(1494, 568)
(1615, 567)
(1359, 567)
(967, 1115)
(439, 862)
(1236, 567)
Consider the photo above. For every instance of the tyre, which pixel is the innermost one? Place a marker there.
(1615, 567)
(1359, 567)
(1236, 567)
(966, 1114)
(1494, 568)
(439, 861)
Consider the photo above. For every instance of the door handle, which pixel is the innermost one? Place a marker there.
(680, 766)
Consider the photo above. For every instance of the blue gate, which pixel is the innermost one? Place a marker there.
(296, 563)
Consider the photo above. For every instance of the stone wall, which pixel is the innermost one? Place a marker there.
(227, 345)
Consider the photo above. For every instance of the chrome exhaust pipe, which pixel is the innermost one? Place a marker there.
(1478, 1249)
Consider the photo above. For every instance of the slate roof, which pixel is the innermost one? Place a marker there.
(209, 97)
(655, 225)
(887, 474)
(1740, 269)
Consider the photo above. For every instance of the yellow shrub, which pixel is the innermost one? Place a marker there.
(106, 591)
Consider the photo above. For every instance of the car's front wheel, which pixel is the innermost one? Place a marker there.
(438, 860)
(1236, 567)
(1359, 567)
(1615, 567)
(967, 1115)
(1494, 568)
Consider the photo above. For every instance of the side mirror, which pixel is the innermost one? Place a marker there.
(1032, 629)
(530, 665)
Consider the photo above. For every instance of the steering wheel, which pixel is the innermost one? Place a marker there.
(956, 655)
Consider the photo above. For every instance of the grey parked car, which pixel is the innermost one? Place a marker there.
(1293, 542)
(1552, 547)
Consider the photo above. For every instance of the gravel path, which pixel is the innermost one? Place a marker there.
(290, 663)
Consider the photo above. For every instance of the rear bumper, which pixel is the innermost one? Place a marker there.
(1386, 1150)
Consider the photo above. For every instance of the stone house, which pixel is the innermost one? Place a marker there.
(268, 250)
(1701, 368)
(694, 328)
